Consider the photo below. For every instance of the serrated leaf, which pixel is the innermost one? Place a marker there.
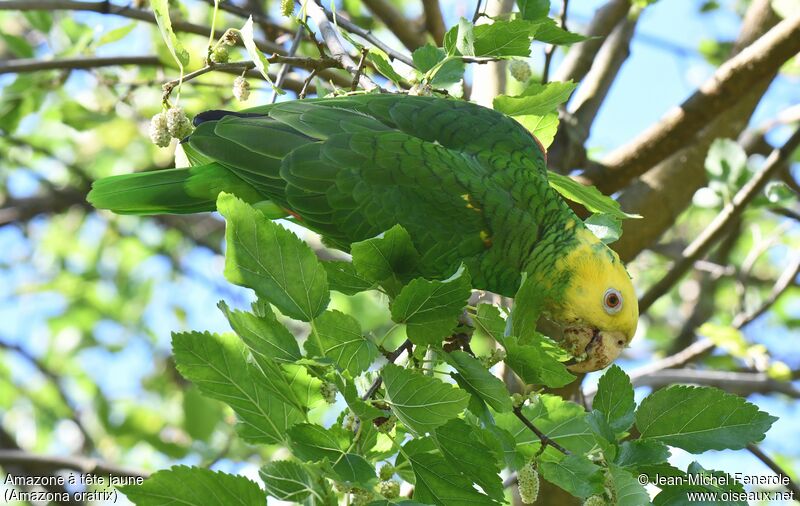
(465, 38)
(266, 257)
(342, 277)
(364, 411)
(533, 9)
(588, 196)
(248, 39)
(312, 442)
(574, 473)
(194, 486)
(629, 492)
(698, 419)
(715, 482)
(543, 127)
(474, 377)
(489, 323)
(341, 340)
(449, 73)
(217, 365)
(605, 227)
(286, 480)
(421, 402)
(534, 365)
(176, 49)
(503, 38)
(614, 399)
(430, 309)
(200, 414)
(354, 469)
(440, 483)
(427, 56)
(264, 336)
(381, 61)
(641, 453)
(460, 446)
(546, 30)
(390, 257)
(537, 99)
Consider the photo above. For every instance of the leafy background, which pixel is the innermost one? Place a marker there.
(90, 299)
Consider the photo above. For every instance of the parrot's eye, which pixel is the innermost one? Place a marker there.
(612, 301)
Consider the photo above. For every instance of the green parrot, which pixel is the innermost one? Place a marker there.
(468, 184)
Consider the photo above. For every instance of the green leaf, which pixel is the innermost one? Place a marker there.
(605, 227)
(586, 195)
(574, 473)
(312, 442)
(248, 39)
(354, 469)
(700, 419)
(460, 446)
(546, 30)
(533, 9)
(115, 34)
(18, 45)
(537, 99)
(217, 365)
(342, 277)
(194, 486)
(266, 257)
(534, 365)
(421, 402)
(41, 20)
(614, 399)
(176, 49)
(79, 117)
(264, 336)
(287, 481)
(629, 492)
(389, 257)
(439, 482)
(427, 56)
(639, 452)
(364, 411)
(449, 73)
(341, 340)
(430, 309)
(200, 414)
(725, 161)
(381, 61)
(542, 126)
(503, 38)
(474, 377)
(465, 38)
(715, 482)
(489, 323)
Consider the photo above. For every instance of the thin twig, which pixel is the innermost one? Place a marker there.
(334, 44)
(477, 13)
(551, 48)
(716, 228)
(546, 441)
(84, 465)
(785, 280)
(391, 357)
(306, 83)
(285, 67)
(22, 65)
(368, 36)
(777, 469)
(360, 70)
(404, 29)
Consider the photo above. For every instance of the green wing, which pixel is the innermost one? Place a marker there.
(353, 167)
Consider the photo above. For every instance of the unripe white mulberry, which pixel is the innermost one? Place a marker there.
(241, 89)
(220, 54)
(159, 133)
(595, 500)
(328, 391)
(386, 471)
(177, 123)
(528, 482)
(349, 421)
(498, 355)
(361, 497)
(519, 70)
(287, 8)
(389, 489)
(386, 426)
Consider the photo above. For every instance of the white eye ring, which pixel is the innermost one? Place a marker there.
(612, 301)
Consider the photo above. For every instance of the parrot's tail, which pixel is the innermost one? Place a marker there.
(171, 191)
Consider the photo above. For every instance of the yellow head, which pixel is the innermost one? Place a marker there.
(599, 311)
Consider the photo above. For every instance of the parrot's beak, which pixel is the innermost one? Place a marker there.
(602, 348)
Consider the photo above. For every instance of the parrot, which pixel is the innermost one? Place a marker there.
(468, 184)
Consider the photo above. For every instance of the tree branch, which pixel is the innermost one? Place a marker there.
(368, 36)
(405, 30)
(334, 44)
(732, 81)
(391, 357)
(717, 227)
(22, 65)
(546, 441)
(84, 465)
(763, 457)
(434, 22)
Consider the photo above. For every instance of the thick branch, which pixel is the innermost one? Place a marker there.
(434, 22)
(732, 81)
(777, 469)
(580, 57)
(717, 227)
(739, 383)
(369, 37)
(391, 357)
(406, 31)
(84, 465)
(34, 64)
